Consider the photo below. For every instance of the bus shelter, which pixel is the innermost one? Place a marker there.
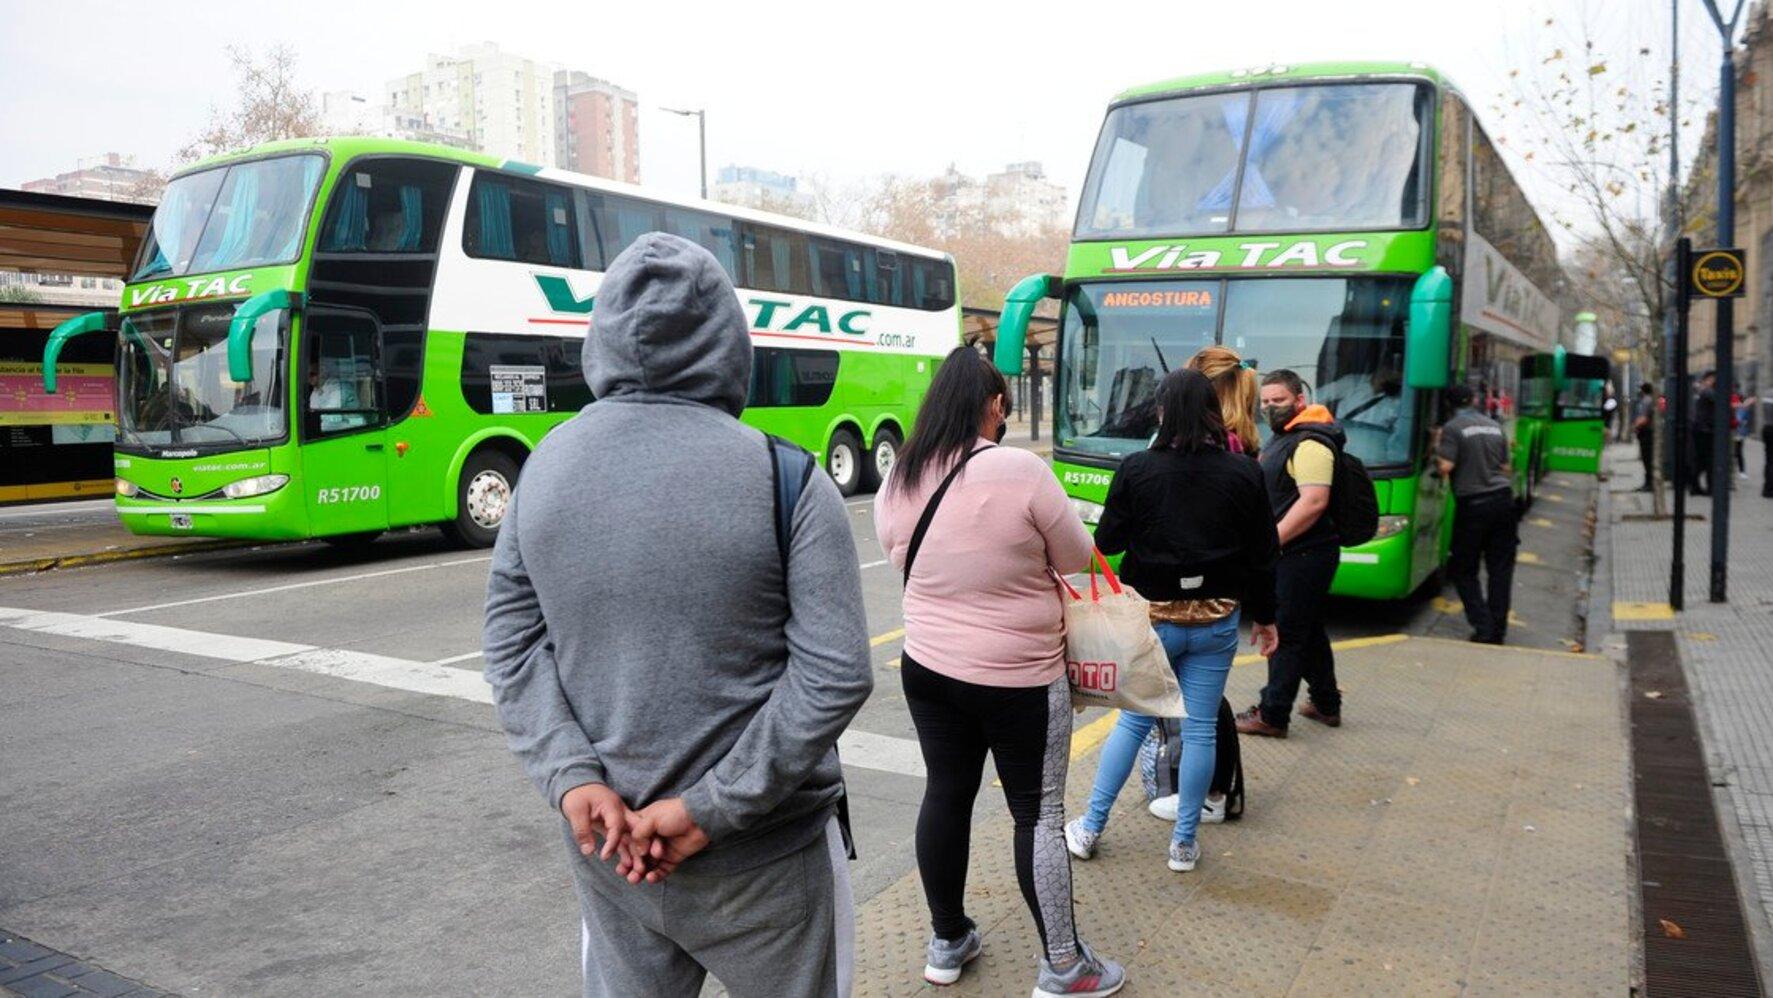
(59, 446)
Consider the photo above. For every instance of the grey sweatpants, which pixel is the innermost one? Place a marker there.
(784, 929)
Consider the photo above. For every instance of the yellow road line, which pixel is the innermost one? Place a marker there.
(881, 639)
(1526, 557)
(1540, 521)
(1626, 610)
(1091, 734)
(1348, 644)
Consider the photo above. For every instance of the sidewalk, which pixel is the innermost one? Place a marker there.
(1724, 650)
(36, 537)
(1464, 831)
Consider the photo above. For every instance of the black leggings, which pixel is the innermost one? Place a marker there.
(1027, 730)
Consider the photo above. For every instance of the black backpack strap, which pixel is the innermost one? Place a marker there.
(929, 511)
(791, 468)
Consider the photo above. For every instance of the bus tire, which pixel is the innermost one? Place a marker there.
(483, 493)
(881, 457)
(843, 462)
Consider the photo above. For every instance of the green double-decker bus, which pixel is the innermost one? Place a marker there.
(334, 337)
(1561, 425)
(1349, 221)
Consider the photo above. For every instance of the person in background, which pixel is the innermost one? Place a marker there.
(984, 661)
(1643, 423)
(673, 697)
(1193, 520)
(1472, 451)
(1741, 418)
(1299, 468)
(1705, 412)
(1235, 386)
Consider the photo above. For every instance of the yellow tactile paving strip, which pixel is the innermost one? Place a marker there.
(1464, 831)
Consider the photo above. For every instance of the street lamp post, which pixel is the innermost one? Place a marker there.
(1726, 334)
(701, 116)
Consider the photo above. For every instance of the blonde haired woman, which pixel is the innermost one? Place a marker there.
(1235, 385)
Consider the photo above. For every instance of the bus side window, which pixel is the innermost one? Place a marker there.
(711, 232)
(621, 220)
(387, 206)
(510, 218)
(773, 260)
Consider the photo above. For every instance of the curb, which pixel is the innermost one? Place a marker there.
(30, 565)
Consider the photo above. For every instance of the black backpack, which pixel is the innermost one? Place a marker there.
(791, 468)
(1163, 749)
(1354, 506)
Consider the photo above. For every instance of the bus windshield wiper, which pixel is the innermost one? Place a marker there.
(1161, 362)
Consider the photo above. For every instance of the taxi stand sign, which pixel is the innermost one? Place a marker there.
(1714, 273)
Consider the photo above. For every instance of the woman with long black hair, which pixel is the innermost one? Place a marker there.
(1193, 519)
(975, 528)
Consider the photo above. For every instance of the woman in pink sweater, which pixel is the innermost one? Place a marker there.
(984, 660)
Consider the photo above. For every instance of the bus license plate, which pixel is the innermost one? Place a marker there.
(181, 521)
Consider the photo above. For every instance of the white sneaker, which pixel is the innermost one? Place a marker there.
(1212, 810)
(1080, 841)
(1184, 857)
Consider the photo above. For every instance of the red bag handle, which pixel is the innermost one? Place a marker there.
(1076, 596)
(1108, 573)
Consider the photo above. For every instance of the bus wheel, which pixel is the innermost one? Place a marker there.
(881, 457)
(483, 493)
(843, 460)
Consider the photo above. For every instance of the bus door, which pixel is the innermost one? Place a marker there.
(344, 422)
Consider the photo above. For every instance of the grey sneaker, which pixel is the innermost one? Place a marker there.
(1080, 840)
(1183, 857)
(1090, 977)
(947, 957)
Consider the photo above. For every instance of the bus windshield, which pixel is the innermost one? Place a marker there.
(1337, 157)
(174, 384)
(245, 215)
(1344, 336)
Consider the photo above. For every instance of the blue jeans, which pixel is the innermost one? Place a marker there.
(1201, 654)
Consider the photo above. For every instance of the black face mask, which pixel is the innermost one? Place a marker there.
(1278, 417)
(1002, 428)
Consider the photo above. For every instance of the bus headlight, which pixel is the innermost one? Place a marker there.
(1390, 526)
(1089, 512)
(255, 486)
(127, 489)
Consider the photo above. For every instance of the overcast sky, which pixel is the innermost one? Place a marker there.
(843, 90)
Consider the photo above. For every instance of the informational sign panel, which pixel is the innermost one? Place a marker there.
(85, 394)
(519, 388)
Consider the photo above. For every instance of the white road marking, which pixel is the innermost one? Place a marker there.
(861, 749)
(298, 585)
(874, 564)
(453, 659)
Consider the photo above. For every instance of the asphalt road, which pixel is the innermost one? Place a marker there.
(275, 770)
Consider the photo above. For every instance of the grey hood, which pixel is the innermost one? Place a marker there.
(667, 322)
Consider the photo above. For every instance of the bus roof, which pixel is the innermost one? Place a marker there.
(1285, 73)
(346, 147)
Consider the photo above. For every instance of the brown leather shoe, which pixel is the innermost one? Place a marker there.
(1250, 723)
(1331, 720)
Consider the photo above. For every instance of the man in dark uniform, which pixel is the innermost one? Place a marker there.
(1643, 423)
(1705, 412)
(1472, 453)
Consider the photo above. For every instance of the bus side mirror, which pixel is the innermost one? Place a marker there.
(1428, 345)
(246, 319)
(79, 325)
(1012, 325)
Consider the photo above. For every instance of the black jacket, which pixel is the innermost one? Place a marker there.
(1193, 526)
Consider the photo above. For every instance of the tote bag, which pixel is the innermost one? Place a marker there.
(1112, 654)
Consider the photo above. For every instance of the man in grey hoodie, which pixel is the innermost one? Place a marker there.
(663, 684)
